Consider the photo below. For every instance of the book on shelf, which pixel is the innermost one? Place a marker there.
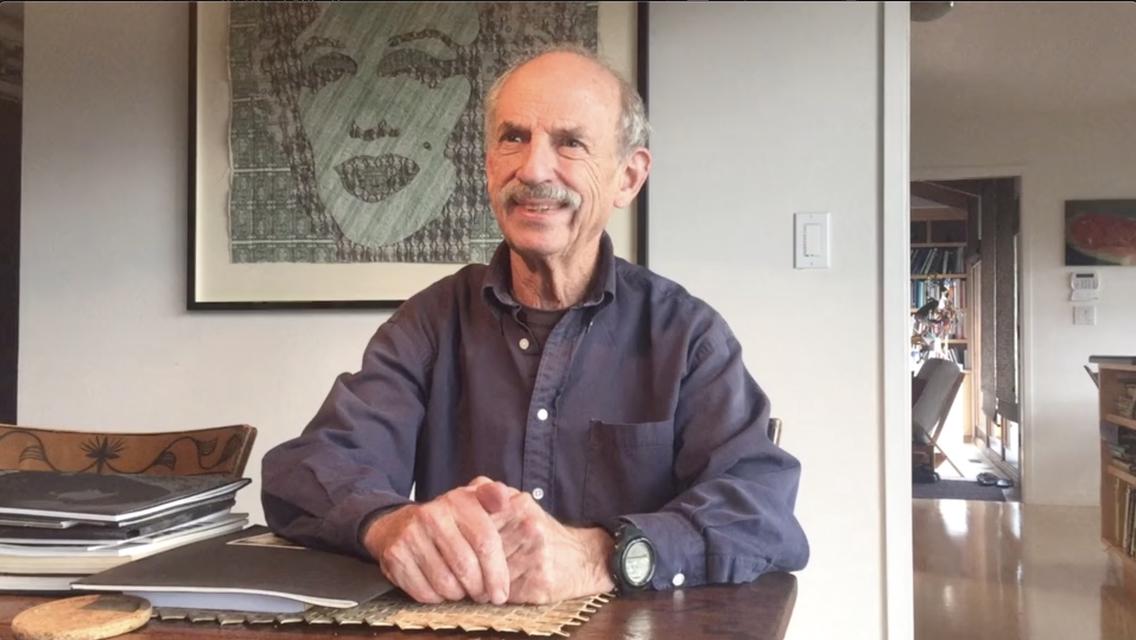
(960, 355)
(1129, 523)
(1125, 465)
(1124, 527)
(937, 260)
(1124, 517)
(1117, 487)
(1116, 436)
(251, 570)
(1124, 453)
(1125, 404)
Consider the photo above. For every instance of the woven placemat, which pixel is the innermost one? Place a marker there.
(402, 612)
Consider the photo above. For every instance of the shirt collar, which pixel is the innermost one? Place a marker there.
(497, 285)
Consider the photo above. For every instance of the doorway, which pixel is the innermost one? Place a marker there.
(966, 310)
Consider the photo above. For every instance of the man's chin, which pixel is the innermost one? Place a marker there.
(532, 246)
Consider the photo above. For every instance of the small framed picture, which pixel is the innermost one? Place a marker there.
(1100, 232)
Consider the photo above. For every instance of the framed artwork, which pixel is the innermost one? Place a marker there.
(1100, 232)
(336, 154)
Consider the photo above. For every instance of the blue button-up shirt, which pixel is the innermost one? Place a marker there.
(641, 409)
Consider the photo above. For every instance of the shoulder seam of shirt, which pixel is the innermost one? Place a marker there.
(424, 357)
(438, 302)
(716, 335)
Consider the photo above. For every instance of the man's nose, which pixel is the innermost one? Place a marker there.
(539, 163)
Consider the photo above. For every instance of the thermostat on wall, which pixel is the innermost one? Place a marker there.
(1085, 286)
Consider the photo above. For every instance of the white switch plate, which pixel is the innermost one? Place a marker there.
(811, 241)
(1084, 314)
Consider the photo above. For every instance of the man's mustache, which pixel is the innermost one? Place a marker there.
(518, 192)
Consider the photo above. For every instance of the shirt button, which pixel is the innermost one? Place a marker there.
(538, 493)
(678, 580)
(524, 344)
(542, 415)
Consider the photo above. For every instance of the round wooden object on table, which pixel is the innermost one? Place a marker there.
(90, 617)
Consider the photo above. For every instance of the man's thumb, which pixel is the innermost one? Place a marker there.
(494, 496)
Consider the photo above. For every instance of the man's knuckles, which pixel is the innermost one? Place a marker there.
(533, 530)
(445, 584)
(466, 570)
(432, 518)
(486, 546)
(480, 480)
(395, 555)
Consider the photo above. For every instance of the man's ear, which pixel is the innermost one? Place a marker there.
(632, 176)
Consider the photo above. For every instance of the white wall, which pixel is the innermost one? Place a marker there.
(105, 341)
(1060, 157)
(760, 110)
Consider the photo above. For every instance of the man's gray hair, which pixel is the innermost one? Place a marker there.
(634, 129)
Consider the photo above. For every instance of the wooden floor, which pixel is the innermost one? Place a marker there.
(1004, 571)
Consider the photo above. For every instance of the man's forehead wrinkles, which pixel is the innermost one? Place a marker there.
(554, 130)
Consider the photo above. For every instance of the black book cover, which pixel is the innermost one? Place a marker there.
(251, 562)
(101, 497)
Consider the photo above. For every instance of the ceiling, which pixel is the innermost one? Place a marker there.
(1013, 58)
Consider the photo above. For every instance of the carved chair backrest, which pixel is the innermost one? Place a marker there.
(218, 450)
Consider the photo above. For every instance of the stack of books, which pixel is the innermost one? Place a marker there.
(58, 527)
(1126, 398)
(1121, 443)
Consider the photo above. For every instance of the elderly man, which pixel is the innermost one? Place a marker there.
(570, 423)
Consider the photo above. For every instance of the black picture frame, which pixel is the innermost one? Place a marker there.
(199, 300)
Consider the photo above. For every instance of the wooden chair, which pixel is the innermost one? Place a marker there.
(938, 382)
(218, 450)
(774, 430)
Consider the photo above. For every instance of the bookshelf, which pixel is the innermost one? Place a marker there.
(939, 260)
(1116, 380)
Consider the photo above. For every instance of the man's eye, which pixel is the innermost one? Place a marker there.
(573, 143)
(511, 137)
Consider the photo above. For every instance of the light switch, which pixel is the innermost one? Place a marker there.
(1084, 314)
(811, 249)
(814, 245)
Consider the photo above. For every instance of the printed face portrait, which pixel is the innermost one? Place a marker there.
(386, 96)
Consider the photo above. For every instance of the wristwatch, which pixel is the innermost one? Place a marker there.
(633, 560)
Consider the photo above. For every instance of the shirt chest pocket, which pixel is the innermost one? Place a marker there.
(630, 468)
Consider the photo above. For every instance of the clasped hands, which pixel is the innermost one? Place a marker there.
(491, 543)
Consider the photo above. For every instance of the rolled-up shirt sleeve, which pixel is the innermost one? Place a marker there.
(732, 519)
(355, 459)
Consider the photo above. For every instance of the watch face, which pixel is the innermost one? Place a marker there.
(638, 562)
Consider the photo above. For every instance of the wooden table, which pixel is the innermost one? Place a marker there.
(759, 610)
